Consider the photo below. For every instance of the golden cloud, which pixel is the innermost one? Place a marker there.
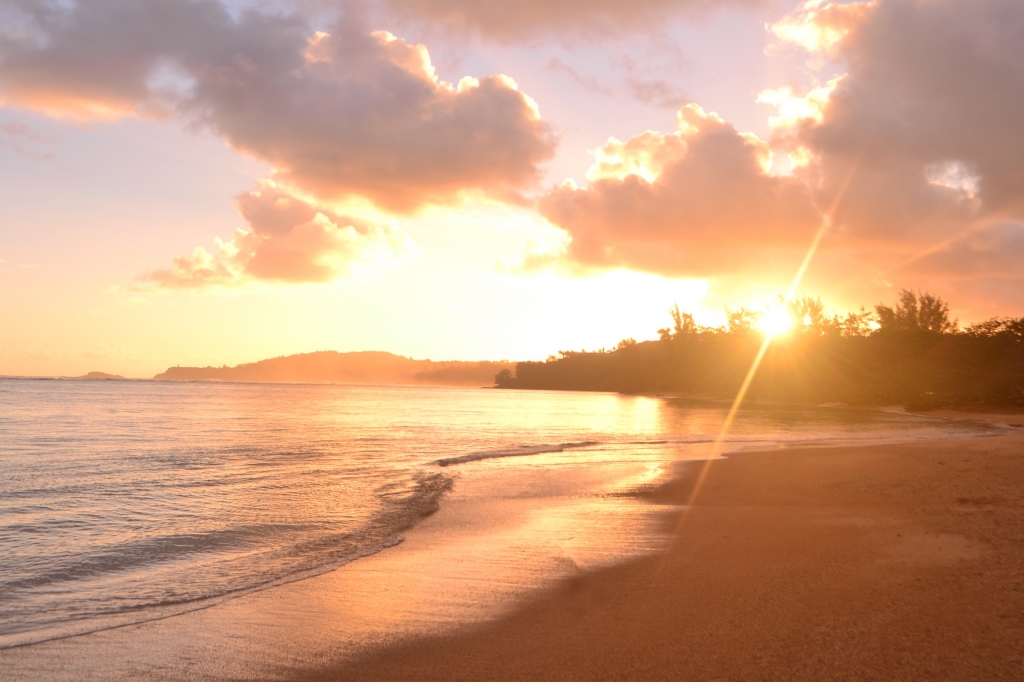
(913, 156)
(347, 114)
(526, 19)
(288, 241)
(681, 203)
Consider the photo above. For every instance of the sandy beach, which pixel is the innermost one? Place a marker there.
(887, 562)
(533, 341)
(884, 562)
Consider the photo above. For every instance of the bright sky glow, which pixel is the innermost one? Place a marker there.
(775, 320)
(588, 172)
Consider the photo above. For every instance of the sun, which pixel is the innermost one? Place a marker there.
(775, 320)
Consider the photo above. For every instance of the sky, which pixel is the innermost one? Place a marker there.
(210, 182)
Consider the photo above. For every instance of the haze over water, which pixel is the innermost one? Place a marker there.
(127, 501)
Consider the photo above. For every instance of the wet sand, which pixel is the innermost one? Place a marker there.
(502, 534)
(885, 562)
(889, 562)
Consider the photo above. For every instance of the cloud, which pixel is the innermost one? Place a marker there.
(345, 115)
(21, 139)
(664, 56)
(923, 131)
(288, 241)
(920, 138)
(656, 92)
(928, 112)
(92, 59)
(16, 129)
(821, 25)
(586, 82)
(367, 116)
(651, 90)
(996, 253)
(528, 19)
(680, 203)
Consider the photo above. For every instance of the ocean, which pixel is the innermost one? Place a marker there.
(129, 501)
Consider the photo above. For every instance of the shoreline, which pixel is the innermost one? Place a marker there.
(449, 620)
(989, 413)
(1015, 418)
(891, 561)
(494, 542)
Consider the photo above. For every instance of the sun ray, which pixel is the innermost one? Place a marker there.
(716, 449)
(775, 320)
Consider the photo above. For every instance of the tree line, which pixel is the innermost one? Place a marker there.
(910, 353)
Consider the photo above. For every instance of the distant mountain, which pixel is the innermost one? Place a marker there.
(100, 375)
(331, 367)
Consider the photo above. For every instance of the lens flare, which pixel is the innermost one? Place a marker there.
(775, 320)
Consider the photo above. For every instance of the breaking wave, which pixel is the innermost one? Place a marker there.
(520, 451)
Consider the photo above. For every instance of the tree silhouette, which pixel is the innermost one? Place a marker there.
(915, 312)
(911, 353)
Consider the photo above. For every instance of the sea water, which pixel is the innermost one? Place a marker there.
(128, 501)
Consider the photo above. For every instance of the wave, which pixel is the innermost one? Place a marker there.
(525, 450)
(520, 451)
(402, 506)
(732, 443)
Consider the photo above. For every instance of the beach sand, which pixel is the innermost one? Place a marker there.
(886, 562)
